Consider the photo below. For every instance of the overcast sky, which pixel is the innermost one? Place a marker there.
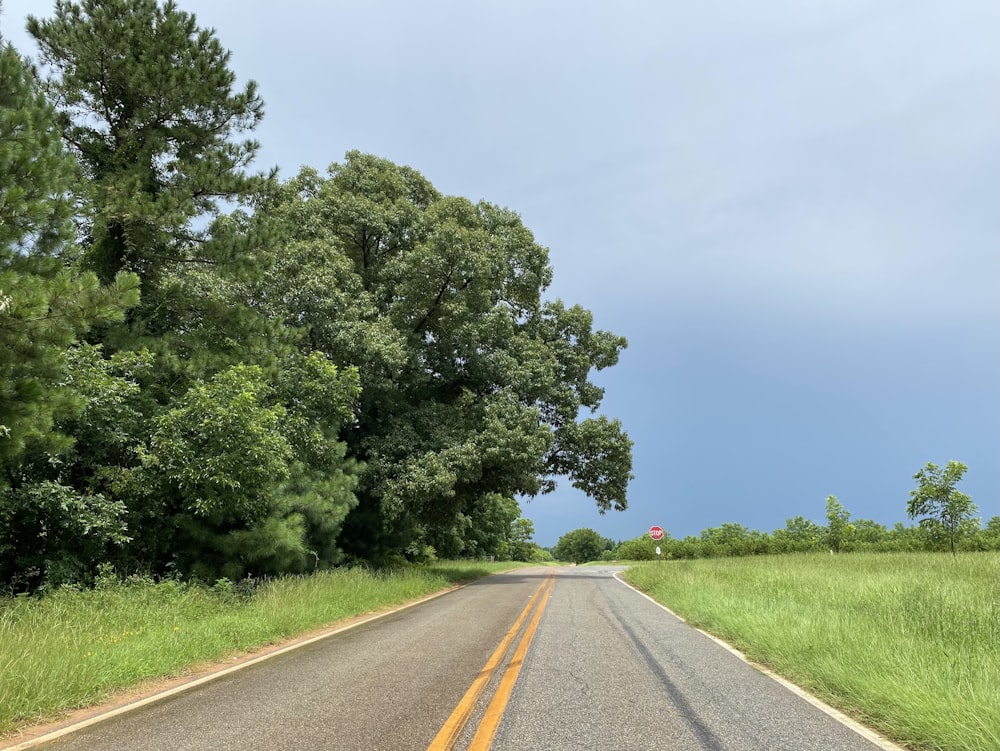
(791, 209)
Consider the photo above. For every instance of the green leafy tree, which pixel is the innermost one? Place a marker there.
(581, 546)
(521, 546)
(318, 400)
(687, 547)
(732, 539)
(641, 548)
(939, 503)
(989, 536)
(50, 527)
(799, 535)
(494, 528)
(837, 523)
(902, 538)
(491, 526)
(51, 534)
(110, 426)
(472, 386)
(218, 448)
(151, 111)
(869, 534)
(65, 509)
(249, 472)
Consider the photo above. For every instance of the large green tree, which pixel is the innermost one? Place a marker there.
(519, 545)
(149, 106)
(837, 523)
(46, 303)
(361, 305)
(799, 535)
(581, 546)
(245, 474)
(473, 386)
(938, 501)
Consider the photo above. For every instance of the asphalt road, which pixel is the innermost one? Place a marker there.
(611, 670)
(565, 658)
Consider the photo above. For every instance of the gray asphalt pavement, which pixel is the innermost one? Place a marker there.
(611, 671)
(607, 670)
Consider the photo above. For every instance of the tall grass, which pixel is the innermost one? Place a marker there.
(907, 642)
(72, 648)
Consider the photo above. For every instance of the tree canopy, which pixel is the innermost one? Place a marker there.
(147, 103)
(581, 546)
(938, 501)
(472, 384)
(341, 365)
(45, 302)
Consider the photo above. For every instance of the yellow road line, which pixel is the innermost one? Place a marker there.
(449, 732)
(491, 721)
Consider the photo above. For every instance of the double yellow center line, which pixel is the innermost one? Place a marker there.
(446, 737)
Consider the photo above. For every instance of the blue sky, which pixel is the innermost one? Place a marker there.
(790, 209)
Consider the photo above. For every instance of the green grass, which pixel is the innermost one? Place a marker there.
(71, 649)
(907, 643)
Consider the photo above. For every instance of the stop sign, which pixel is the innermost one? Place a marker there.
(656, 533)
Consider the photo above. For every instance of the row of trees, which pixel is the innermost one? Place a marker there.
(798, 535)
(803, 535)
(217, 372)
(946, 521)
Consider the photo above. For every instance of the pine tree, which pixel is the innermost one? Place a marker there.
(148, 104)
(150, 107)
(49, 530)
(45, 303)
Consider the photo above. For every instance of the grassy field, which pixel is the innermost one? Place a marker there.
(907, 643)
(71, 649)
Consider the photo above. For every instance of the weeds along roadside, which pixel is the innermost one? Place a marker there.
(73, 648)
(908, 643)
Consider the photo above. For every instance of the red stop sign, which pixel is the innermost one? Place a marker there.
(656, 533)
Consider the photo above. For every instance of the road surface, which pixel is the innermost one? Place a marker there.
(546, 658)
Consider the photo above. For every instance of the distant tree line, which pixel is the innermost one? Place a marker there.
(946, 522)
(211, 372)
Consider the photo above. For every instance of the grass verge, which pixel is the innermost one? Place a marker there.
(72, 649)
(907, 643)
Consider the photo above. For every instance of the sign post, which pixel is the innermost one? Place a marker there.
(656, 533)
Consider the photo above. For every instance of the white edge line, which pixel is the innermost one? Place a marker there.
(865, 732)
(194, 683)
